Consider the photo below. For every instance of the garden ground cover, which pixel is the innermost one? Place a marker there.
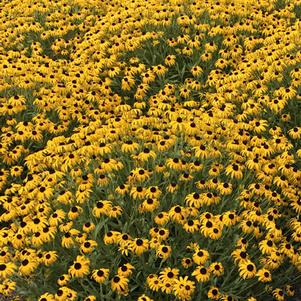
(150, 150)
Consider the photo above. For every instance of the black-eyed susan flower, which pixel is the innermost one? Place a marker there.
(46, 297)
(65, 292)
(170, 60)
(217, 268)
(125, 270)
(7, 269)
(184, 288)
(196, 71)
(163, 251)
(200, 256)
(168, 274)
(111, 237)
(153, 192)
(267, 246)
(63, 279)
(153, 282)
(178, 214)
(50, 257)
(144, 298)
(227, 297)
(67, 240)
(90, 298)
(234, 170)
(129, 146)
(69, 114)
(213, 293)
(186, 262)
(102, 208)
(115, 212)
(119, 284)
(139, 246)
(264, 275)
(172, 187)
(74, 212)
(80, 267)
(191, 225)
(28, 266)
(100, 275)
(201, 273)
(162, 218)
(138, 192)
(88, 246)
(122, 189)
(149, 205)
(247, 269)
(88, 227)
(289, 289)
(278, 294)
(194, 199)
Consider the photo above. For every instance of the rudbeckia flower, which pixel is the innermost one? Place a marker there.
(125, 270)
(139, 246)
(213, 293)
(234, 170)
(201, 273)
(7, 269)
(264, 275)
(90, 298)
(47, 297)
(184, 288)
(28, 266)
(80, 267)
(247, 269)
(144, 298)
(278, 294)
(100, 275)
(163, 251)
(120, 285)
(88, 246)
(63, 279)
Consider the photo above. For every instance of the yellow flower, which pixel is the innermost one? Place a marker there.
(111, 237)
(184, 288)
(235, 171)
(170, 60)
(80, 267)
(264, 275)
(200, 256)
(144, 298)
(120, 285)
(163, 251)
(201, 273)
(90, 298)
(7, 269)
(50, 257)
(217, 268)
(28, 266)
(278, 294)
(139, 246)
(88, 246)
(247, 269)
(100, 275)
(213, 293)
(46, 297)
(63, 279)
(125, 270)
(196, 71)
(129, 146)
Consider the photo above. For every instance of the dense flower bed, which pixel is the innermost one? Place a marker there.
(150, 150)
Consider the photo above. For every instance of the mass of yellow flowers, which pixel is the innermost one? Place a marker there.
(150, 150)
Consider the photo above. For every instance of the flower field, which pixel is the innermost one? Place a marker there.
(150, 150)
